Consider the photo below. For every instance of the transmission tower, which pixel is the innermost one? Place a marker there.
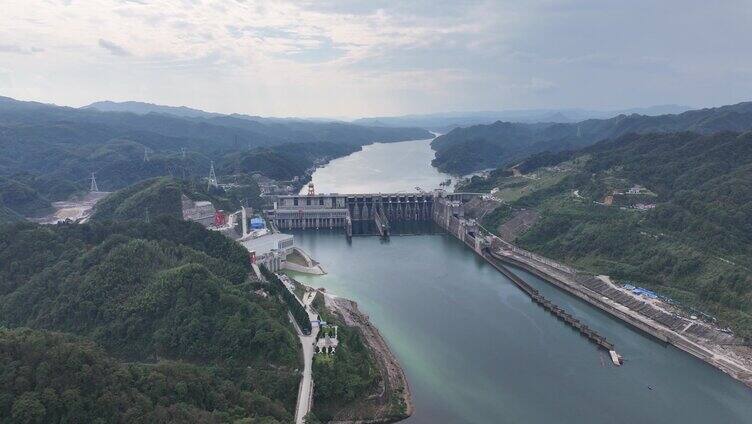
(212, 177)
(93, 187)
(146, 154)
(182, 152)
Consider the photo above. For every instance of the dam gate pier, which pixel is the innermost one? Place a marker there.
(315, 211)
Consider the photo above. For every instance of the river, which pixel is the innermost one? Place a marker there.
(477, 350)
(383, 167)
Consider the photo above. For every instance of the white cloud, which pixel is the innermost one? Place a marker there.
(113, 48)
(368, 57)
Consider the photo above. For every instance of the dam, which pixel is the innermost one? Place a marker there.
(342, 210)
(312, 211)
(516, 362)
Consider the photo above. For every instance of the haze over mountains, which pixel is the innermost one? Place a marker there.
(143, 108)
(446, 121)
(440, 122)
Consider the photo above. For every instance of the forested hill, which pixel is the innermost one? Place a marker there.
(285, 161)
(161, 326)
(465, 150)
(20, 200)
(206, 133)
(48, 153)
(143, 108)
(684, 228)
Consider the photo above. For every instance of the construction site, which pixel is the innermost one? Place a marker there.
(76, 209)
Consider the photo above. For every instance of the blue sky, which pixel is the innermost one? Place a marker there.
(382, 57)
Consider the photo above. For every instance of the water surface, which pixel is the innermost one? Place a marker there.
(383, 167)
(477, 350)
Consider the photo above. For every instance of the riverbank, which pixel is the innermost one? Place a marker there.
(392, 401)
(715, 348)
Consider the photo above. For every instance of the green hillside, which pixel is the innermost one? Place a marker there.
(158, 196)
(140, 296)
(52, 377)
(285, 161)
(465, 150)
(57, 148)
(8, 215)
(693, 245)
(163, 196)
(21, 200)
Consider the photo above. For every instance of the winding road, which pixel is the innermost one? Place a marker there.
(305, 393)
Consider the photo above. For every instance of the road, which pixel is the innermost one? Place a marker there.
(305, 393)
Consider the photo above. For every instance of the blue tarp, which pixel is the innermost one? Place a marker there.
(257, 223)
(646, 292)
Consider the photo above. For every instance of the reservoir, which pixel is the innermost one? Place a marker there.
(381, 167)
(478, 350)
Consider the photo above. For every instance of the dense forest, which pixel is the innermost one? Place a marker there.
(159, 321)
(285, 161)
(465, 150)
(693, 245)
(48, 153)
(48, 377)
(345, 377)
(163, 196)
(22, 199)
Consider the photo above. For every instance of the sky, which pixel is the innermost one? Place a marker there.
(381, 57)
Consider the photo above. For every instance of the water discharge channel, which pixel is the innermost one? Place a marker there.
(476, 349)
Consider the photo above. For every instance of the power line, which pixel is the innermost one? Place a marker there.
(93, 188)
(212, 177)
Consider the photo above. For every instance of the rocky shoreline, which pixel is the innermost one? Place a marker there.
(392, 401)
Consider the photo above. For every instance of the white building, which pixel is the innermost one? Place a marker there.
(270, 249)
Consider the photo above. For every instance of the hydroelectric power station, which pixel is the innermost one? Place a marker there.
(343, 210)
(315, 211)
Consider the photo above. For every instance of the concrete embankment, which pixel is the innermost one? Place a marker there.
(634, 319)
(299, 261)
(713, 346)
(593, 300)
(560, 313)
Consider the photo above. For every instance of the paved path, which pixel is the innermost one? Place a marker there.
(305, 393)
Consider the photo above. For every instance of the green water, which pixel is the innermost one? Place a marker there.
(477, 350)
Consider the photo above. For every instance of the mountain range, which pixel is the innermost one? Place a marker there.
(446, 121)
(466, 150)
(49, 152)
